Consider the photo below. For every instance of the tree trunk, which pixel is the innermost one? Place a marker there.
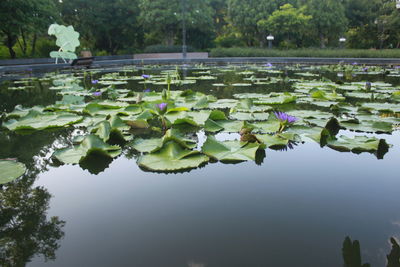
(322, 39)
(169, 40)
(10, 42)
(34, 44)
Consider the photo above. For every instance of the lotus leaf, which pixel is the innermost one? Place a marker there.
(91, 145)
(35, 120)
(360, 144)
(10, 170)
(172, 157)
(230, 151)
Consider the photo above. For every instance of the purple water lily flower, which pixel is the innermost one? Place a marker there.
(95, 81)
(284, 117)
(397, 67)
(268, 65)
(147, 90)
(365, 69)
(145, 76)
(162, 106)
(355, 64)
(97, 94)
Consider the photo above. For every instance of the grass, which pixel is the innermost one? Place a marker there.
(309, 52)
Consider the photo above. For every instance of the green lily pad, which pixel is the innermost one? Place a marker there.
(230, 151)
(91, 145)
(360, 144)
(172, 157)
(10, 170)
(35, 120)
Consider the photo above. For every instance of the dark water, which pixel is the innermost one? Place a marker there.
(295, 209)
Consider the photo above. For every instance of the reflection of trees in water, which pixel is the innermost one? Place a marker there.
(352, 255)
(25, 230)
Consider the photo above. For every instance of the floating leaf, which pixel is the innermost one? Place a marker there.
(10, 170)
(39, 121)
(230, 151)
(91, 144)
(360, 144)
(172, 157)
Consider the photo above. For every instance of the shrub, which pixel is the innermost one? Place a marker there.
(309, 52)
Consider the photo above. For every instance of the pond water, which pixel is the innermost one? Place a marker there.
(293, 205)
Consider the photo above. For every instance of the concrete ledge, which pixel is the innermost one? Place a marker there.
(191, 55)
(211, 61)
(32, 61)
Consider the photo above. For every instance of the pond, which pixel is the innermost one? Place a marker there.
(236, 165)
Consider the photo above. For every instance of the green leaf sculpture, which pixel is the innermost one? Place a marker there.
(91, 145)
(67, 40)
(10, 170)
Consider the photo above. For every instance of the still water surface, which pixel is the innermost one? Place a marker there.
(295, 209)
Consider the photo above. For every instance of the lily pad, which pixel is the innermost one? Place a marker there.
(91, 144)
(35, 120)
(360, 144)
(230, 151)
(10, 170)
(172, 157)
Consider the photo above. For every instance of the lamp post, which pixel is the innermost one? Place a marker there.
(270, 38)
(184, 47)
(342, 40)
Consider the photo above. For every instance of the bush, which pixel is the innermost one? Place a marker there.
(309, 52)
(44, 46)
(228, 41)
(166, 49)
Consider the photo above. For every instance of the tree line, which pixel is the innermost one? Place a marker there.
(128, 26)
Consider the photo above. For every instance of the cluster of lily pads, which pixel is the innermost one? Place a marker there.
(180, 129)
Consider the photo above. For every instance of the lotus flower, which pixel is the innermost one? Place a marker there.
(95, 81)
(162, 106)
(365, 69)
(355, 64)
(145, 76)
(147, 90)
(269, 65)
(284, 117)
(97, 94)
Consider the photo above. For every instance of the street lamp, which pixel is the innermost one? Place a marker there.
(342, 40)
(270, 38)
(184, 47)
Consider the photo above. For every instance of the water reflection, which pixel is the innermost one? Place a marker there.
(25, 230)
(352, 254)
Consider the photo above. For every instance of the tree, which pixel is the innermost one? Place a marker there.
(165, 17)
(244, 15)
(328, 18)
(289, 24)
(109, 25)
(19, 18)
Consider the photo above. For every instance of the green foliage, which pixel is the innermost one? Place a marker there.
(328, 20)
(344, 53)
(165, 17)
(289, 23)
(166, 49)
